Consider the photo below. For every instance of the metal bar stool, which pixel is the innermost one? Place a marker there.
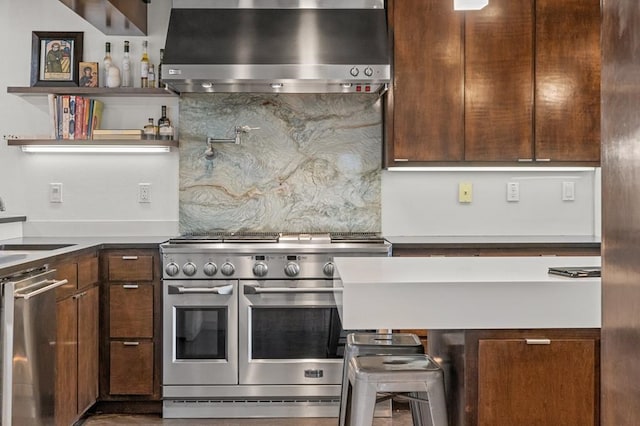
(417, 378)
(374, 344)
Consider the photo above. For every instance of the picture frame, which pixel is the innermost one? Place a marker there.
(55, 57)
(88, 74)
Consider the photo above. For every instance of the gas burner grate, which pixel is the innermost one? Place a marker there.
(356, 237)
(219, 237)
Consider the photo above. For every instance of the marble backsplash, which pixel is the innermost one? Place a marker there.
(312, 165)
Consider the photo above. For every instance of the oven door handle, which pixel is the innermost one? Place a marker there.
(251, 289)
(178, 289)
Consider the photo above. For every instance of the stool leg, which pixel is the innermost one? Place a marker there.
(343, 393)
(437, 401)
(363, 403)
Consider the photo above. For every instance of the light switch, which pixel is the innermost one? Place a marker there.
(513, 191)
(465, 192)
(55, 192)
(568, 191)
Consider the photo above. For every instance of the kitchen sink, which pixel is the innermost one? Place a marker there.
(32, 247)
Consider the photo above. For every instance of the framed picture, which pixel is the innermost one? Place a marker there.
(88, 72)
(55, 57)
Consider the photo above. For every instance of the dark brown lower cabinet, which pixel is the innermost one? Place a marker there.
(130, 368)
(520, 377)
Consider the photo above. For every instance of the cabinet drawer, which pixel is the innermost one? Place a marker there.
(131, 371)
(131, 310)
(130, 268)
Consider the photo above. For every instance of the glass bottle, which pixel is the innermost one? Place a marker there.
(159, 73)
(152, 77)
(144, 66)
(126, 66)
(150, 130)
(165, 129)
(106, 63)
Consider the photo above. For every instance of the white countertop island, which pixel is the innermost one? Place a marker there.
(465, 293)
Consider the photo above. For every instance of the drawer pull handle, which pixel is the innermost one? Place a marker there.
(132, 286)
(131, 343)
(129, 257)
(538, 341)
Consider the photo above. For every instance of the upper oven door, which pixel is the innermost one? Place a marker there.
(290, 333)
(200, 332)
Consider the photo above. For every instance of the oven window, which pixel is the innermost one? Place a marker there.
(296, 333)
(201, 333)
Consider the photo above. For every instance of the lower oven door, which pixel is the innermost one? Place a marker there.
(290, 333)
(200, 332)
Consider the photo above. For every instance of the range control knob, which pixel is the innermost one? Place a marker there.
(354, 71)
(368, 71)
(227, 269)
(292, 269)
(172, 269)
(328, 269)
(260, 269)
(189, 269)
(210, 269)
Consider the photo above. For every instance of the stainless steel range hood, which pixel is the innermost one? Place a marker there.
(277, 46)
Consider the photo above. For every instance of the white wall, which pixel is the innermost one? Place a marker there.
(426, 203)
(100, 190)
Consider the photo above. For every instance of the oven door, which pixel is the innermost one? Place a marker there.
(290, 333)
(200, 332)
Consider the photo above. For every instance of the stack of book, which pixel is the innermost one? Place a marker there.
(117, 134)
(74, 117)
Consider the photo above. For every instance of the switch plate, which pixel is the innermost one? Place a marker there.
(465, 192)
(568, 191)
(144, 192)
(513, 191)
(55, 192)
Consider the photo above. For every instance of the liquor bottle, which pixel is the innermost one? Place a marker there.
(165, 129)
(159, 74)
(152, 77)
(106, 63)
(126, 66)
(150, 130)
(144, 66)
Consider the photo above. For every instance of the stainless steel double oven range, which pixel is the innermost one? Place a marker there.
(250, 323)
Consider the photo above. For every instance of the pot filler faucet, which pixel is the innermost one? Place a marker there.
(1, 205)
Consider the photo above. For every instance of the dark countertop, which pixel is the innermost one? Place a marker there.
(13, 261)
(480, 241)
(12, 218)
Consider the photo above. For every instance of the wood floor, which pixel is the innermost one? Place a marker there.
(399, 418)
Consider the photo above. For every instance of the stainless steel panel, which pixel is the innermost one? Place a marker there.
(279, 4)
(620, 364)
(199, 371)
(251, 392)
(29, 351)
(282, 371)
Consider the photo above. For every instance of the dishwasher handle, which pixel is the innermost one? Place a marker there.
(26, 294)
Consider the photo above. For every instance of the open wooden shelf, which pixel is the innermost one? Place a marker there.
(89, 91)
(86, 145)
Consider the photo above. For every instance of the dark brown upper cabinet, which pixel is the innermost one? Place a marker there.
(516, 83)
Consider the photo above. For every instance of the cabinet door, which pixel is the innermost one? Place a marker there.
(131, 371)
(427, 97)
(88, 306)
(66, 362)
(568, 80)
(537, 385)
(66, 271)
(498, 82)
(131, 310)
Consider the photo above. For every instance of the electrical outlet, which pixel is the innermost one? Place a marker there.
(568, 191)
(513, 191)
(465, 194)
(144, 192)
(55, 192)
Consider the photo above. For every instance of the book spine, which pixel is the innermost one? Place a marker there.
(92, 105)
(79, 117)
(72, 117)
(97, 114)
(53, 119)
(65, 116)
(59, 116)
(87, 117)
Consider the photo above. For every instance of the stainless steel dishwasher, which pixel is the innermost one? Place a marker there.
(29, 347)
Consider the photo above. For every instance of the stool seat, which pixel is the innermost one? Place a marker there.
(360, 343)
(417, 376)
